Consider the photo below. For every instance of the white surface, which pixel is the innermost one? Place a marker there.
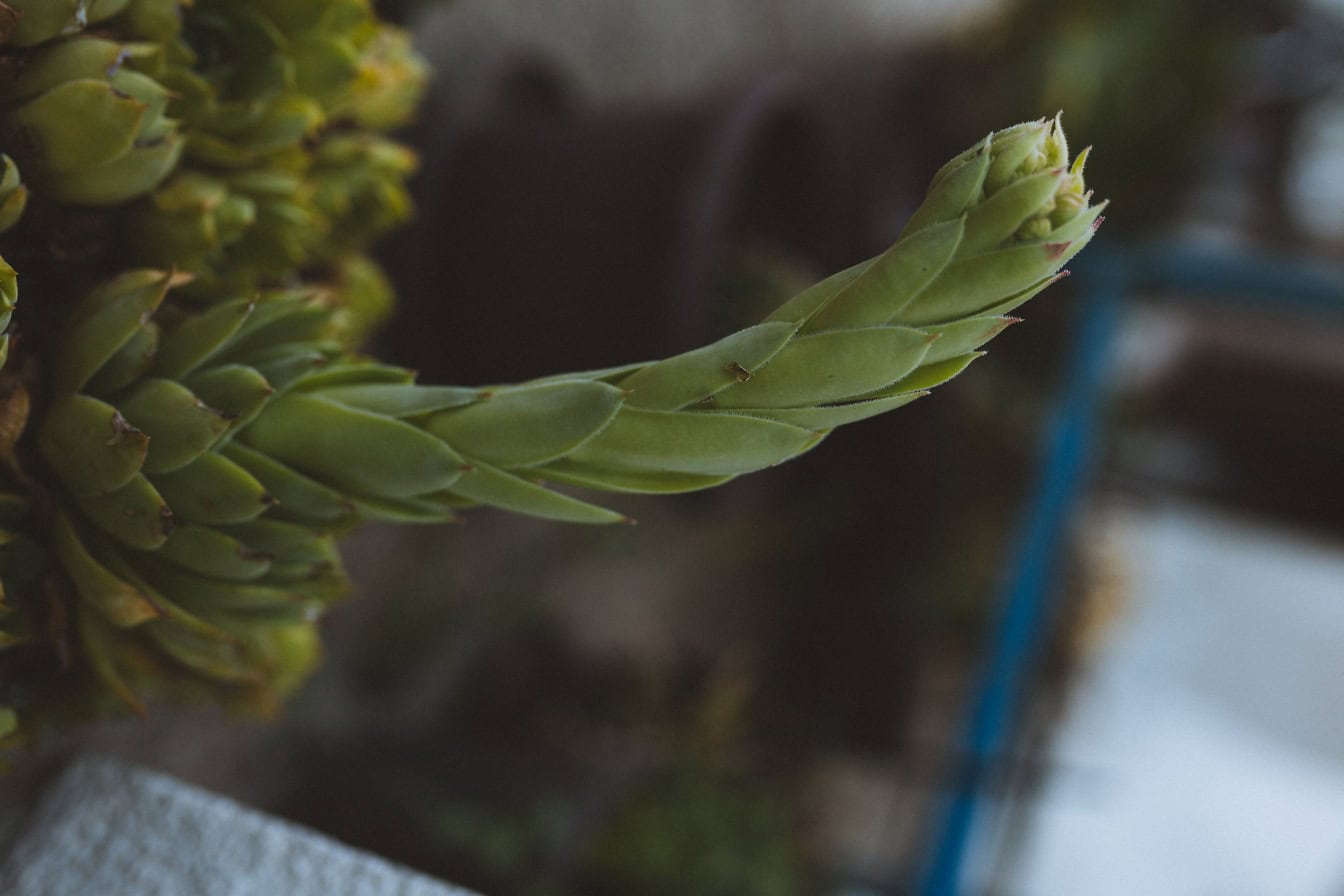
(1204, 753)
(107, 829)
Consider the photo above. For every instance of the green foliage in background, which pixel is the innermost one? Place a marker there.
(1146, 79)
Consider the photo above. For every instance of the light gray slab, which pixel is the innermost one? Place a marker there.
(1204, 750)
(111, 829)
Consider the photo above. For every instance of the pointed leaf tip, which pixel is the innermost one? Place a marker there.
(1080, 161)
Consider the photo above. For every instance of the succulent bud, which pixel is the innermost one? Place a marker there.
(360, 190)
(389, 82)
(187, 221)
(87, 126)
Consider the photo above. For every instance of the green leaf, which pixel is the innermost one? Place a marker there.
(675, 382)
(689, 442)
(213, 489)
(962, 336)
(119, 601)
(352, 450)
(399, 400)
(490, 485)
(104, 321)
(527, 425)
(298, 497)
(90, 445)
(199, 337)
(209, 552)
(893, 279)
(828, 417)
(135, 514)
(180, 426)
(830, 367)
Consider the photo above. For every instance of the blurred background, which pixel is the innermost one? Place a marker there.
(1071, 625)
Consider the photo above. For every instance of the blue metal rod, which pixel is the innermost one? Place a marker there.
(1239, 277)
(1061, 476)
(1229, 277)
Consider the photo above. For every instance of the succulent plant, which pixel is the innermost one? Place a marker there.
(181, 442)
(24, 23)
(87, 120)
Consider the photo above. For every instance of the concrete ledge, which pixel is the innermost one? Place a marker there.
(111, 829)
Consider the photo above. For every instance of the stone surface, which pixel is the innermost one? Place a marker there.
(1202, 750)
(111, 829)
